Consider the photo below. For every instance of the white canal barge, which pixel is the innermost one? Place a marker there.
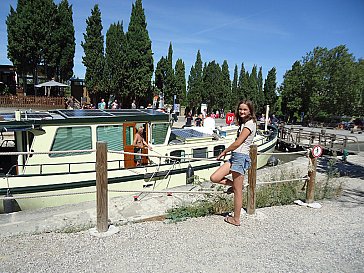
(38, 172)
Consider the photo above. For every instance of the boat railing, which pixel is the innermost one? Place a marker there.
(69, 167)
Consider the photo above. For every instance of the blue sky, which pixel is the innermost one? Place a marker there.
(263, 33)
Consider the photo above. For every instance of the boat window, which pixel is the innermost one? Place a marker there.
(129, 135)
(159, 132)
(218, 149)
(71, 138)
(200, 153)
(178, 153)
(112, 135)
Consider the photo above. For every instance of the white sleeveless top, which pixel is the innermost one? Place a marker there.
(244, 148)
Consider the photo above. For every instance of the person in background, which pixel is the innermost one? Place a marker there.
(70, 103)
(274, 120)
(102, 104)
(139, 143)
(239, 161)
(204, 113)
(188, 119)
(199, 121)
(133, 105)
(115, 105)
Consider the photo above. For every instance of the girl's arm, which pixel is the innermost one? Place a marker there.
(242, 137)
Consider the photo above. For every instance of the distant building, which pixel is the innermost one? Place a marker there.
(79, 91)
(8, 79)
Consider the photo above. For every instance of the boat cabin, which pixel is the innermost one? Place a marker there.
(75, 130)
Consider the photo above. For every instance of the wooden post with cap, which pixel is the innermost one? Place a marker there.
(310, 191)
(252, 180)
(101, 187)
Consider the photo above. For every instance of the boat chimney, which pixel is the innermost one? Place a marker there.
(17, 115)
(266, 118)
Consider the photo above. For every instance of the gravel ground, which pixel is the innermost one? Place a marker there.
(276, 239)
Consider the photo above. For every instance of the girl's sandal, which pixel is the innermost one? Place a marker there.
(231, 221)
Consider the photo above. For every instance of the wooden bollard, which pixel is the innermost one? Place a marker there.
(101, 187)
(252, 180)
(310, 191)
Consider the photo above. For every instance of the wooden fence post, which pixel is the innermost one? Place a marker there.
(310, 191)
(101, 187)
(252, 180)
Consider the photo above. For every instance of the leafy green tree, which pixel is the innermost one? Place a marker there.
(195, 83)
(114, 72)
(291, 91)
(139, 56)
(180, 82)
(225, 86)
(360, 86)
(17, 40)
(29, 28)
(93, 58)
(66, 41)
(341, 82)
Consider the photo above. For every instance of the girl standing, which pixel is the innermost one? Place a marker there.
(240, 161)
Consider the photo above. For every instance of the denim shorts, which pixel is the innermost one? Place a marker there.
(240, 163)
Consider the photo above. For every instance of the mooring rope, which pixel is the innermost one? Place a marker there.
(43, 196)
(143, 191)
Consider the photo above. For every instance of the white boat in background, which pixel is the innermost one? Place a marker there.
(39, 173)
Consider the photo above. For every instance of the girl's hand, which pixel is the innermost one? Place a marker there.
(222, 155)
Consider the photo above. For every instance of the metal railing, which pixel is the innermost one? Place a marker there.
(32, 102)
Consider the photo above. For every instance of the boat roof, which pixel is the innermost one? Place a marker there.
(192, 133)
(32, 119)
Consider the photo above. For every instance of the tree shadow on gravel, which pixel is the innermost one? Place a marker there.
(344, 168)
(352, 197)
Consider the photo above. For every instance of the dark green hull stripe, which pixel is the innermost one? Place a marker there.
(90, 183)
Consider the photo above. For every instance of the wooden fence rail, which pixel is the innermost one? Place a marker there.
(32, 102)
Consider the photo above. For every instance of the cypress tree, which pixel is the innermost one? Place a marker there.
(270, 87)
(253, 86)
(160, 75)
(180, 82)
(243, 84)
(226, 86)
(139, 56)
(93, 47)
(114, 73)
(260, 96)
(212, 83)
(195, 83)
(169, 82)
(234, 90)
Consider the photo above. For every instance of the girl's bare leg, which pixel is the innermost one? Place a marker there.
(238, 180)
(219, 175)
